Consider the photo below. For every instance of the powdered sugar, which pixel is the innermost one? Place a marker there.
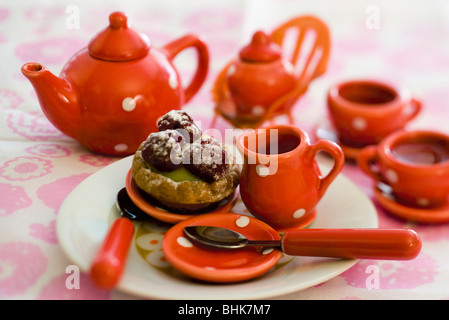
(163, 150)
(169, 149)
(181, 122)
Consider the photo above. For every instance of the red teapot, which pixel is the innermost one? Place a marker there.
(110, 94)
(265, 80)
(259, 77)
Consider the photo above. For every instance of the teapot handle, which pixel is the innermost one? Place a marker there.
(339, 160)
(190, 40)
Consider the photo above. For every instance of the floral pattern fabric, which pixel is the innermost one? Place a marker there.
(404, 41)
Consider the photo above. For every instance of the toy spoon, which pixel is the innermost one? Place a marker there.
(382, 244)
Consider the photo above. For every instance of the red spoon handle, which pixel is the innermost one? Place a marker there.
(382, 244)
(109, 263)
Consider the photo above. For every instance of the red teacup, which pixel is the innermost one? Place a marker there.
(365, 111)
(281, 182)
(415, 164)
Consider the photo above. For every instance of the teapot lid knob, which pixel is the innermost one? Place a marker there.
(261, 49)
(118, 42)
(118, 20)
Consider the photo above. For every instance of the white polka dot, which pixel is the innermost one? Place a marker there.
(150, 241)
(423, 202)
(258, 110)
(267, 251)
(128, 104)
(184, 242)
(359, 123)
(242, 222)
(173, 81)
(209, 268)
(231, 70)
(121, 147)
(392, 176)
(299, 213)
(157, 259)
(262, 171)
(409, 110)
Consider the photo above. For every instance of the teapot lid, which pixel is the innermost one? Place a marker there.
(118, 42)
(261, 49)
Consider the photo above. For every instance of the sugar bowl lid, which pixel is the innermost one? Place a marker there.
(261, 49)
(118, 42)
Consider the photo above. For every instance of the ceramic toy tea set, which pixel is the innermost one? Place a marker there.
(278, 160)
(368, 119)
(121, 96)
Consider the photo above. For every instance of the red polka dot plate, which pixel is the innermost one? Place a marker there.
(223, 265)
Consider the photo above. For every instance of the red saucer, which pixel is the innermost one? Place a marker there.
(221, 266)
(421, 215)
(163, 214)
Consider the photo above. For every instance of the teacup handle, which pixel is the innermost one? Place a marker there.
(339, 160)
(190, 40)
(417, 106)
(366, 158)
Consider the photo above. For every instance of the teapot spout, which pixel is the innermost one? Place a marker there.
(57, 97)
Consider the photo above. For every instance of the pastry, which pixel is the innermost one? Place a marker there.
(183, 170)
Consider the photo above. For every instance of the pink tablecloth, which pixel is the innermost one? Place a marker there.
(404, 41)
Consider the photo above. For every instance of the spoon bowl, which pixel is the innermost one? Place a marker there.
(127, 207)
(223, 238)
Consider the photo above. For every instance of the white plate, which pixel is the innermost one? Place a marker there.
(86, 213)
